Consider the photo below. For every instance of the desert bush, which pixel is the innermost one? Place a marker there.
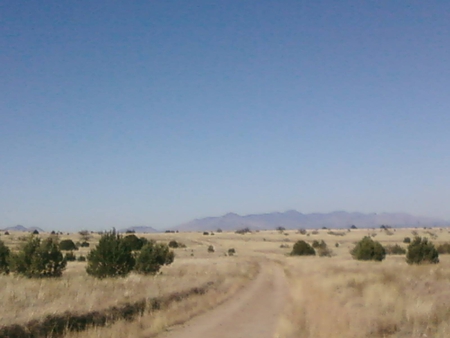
(133, 242)
(284, 246)
(394, 250)
(6, 233)
(301, 248)
(231, 252)
(316, 244)
(315, 232)
(85, 235)
(81, 259)
(38, 258)
(219, 230)
(4, 258)
(336, 233)
(205, 233)
(174, 244)
(443, 248)
(67, 245)
(70, 257)
(406, 240)
(35, 232)
(302, 231)
(84, 244)
(421, 251)
(368, 250)
(243, 231)
(152, 256)
(324, 252)
(211, 248)
(112, 257)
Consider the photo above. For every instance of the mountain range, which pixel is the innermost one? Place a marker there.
(22, 228)
(293, 219)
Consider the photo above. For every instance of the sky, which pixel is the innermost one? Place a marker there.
(126, 113)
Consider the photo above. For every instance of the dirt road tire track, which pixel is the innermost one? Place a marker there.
(253, 312)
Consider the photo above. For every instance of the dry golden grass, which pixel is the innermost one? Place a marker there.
(330, 297)
(341, 297)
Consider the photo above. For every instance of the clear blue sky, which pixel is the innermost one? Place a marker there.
(122, 113)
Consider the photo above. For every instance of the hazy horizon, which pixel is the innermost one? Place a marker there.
(157, 113)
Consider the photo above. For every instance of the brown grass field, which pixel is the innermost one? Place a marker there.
(328, 296)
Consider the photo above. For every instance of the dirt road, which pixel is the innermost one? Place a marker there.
(253, 312)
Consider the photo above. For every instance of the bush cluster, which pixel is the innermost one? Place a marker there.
(38, 258)
(113, 257)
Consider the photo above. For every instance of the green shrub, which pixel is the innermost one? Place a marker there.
(133, 242)
(443, 248)
(395, 250)
(174, 244)
(84, 244)
(38, 258)
(301, 248)
(231, 252)
(211, 248)
(243, 231)
(316, 244)
(70, 257)
(4, 258)
(407, 240)
(421, 251)
(112, 257)
(152, 256)
(67, 245)
(368, 250)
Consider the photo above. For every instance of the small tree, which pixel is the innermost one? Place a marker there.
(421, 251)
(39, 258)
(368, 250)
(67, 245)
(152, 256)
(301, 248)
(4, 258)
(112, 257)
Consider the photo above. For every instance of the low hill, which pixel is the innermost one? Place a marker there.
(295, 220)
(22, 228)
(140, 229)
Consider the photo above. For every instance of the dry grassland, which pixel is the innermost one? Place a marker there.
(330, 297)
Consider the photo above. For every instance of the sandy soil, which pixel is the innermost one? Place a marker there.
(253, 312)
